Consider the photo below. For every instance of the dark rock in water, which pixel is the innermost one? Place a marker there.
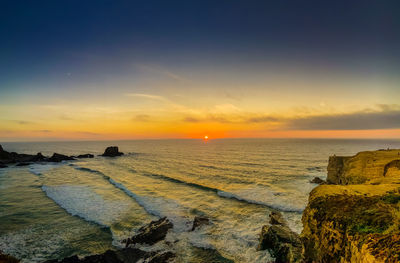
(199, 221)
(12, 157)
(162, 257)
(276, 218)
(59, 157)
(3, 166)
(6, 258)
(130, 255)
(23, 164)
(88, 155)
(317, 180)
(284, 244)
(151, 233)
(112, 151)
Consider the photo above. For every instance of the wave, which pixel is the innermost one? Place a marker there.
(159, 207)
(254, 194)
(38, 168)
(274, 201)
(87, 170)
(85, 203)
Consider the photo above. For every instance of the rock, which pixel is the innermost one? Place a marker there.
(112, 151)
(151, 233)
(12, 157)
(88, 155)
(364, 167)
(129, 255)
(276, 218)
(317, 180)
(358, 218)
(59, 157)
(161, 257)
(284, 244)
(199, 221)
(6, 258)
(23, 164)
(3, 166)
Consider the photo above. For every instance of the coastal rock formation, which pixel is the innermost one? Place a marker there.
(12, 157)
(123, 255)
(6, 258)
(151, 233)
(112, 151)
(59, 157)
(358, 218)
(26, 159)
(317, 180)
(200, 221)
(284, 244)
(88, 155)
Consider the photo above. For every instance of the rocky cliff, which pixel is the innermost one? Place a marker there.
(356, 217)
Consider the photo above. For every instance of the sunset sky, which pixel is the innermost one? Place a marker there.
(96, 70)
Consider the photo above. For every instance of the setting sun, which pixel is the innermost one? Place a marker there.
(205, 137)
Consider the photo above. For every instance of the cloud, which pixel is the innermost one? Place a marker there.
(148, 96)
(21, 122)
(265, 118)
(387, 118)
(163, 72)
(141, 118)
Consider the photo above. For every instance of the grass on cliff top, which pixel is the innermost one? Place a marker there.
(357, 214)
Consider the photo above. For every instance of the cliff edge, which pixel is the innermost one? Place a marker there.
(356, 217)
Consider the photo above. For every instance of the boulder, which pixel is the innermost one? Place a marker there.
(276, 218)
(129, 255)
(59, 157)
(317, 180)
(284, 244)
(6, 258)
(88, 155)
(199, 221)
(112, 151)
(3, 166)
(151, 233)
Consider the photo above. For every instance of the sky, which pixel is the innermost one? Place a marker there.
(106, 70)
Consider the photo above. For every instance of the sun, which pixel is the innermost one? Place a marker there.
(205, 137)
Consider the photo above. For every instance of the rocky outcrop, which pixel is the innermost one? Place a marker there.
(151, 233)
(112, 151)
(88, 155)
(26, 159)
(317, 180)
(200, 221)
(123, 255)
(56, 157)
(13, 157)
(284, 244)
(148, 234)
(6, 258)
(358, 218)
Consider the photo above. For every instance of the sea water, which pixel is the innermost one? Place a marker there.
(51, 211)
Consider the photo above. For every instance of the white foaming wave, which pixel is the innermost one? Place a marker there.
(283, 200)
(37, 243)
(82, 201)
(38, 169)
(160, 207)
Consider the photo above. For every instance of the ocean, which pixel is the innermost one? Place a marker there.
(51, 211)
